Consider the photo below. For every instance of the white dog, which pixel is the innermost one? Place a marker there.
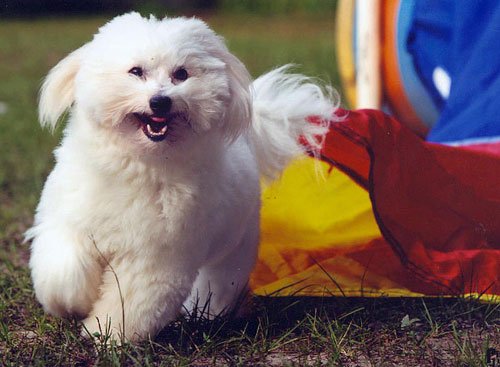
(155, 196)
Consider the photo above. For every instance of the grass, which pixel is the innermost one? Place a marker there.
(279, 331)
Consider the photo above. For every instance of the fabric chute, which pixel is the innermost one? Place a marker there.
(385, 213)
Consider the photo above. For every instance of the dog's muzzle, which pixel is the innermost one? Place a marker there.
(155, 126)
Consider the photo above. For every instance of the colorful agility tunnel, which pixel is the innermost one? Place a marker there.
(405, 95)
(385, 212)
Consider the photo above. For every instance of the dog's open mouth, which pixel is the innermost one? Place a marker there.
(154, 127)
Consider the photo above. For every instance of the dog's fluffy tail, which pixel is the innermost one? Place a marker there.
(282, 104)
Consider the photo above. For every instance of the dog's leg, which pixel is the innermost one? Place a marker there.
(139, 296)
(223, 285)
(66, 275)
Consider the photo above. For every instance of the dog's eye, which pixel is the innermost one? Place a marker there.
(180, 74)
(137, 71)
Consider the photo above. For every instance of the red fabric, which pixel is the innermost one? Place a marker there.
(438, 207)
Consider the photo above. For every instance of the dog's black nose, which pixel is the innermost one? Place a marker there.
(160, 104)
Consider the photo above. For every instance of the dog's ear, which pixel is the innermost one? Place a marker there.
(239, 113)
(58, 90)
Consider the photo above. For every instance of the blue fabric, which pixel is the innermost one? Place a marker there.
(463, 38)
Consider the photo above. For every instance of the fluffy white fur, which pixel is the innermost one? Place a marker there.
(177, 220)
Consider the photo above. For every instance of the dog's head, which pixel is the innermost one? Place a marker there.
(155, 81)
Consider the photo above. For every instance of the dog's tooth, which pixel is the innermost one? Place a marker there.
(156, 133)
(150, 129)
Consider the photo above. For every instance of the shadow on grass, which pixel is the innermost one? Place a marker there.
(327, 327)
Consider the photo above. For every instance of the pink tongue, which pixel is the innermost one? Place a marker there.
(158, 119)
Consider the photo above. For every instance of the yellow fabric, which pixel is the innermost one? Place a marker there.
(311, 219)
